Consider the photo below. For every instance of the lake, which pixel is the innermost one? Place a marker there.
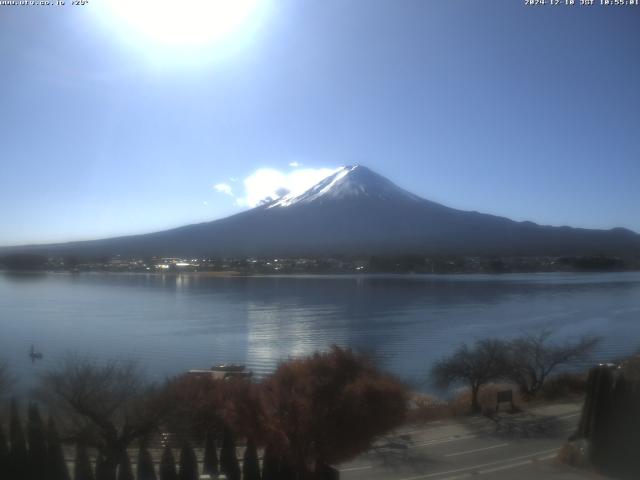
(174, 323)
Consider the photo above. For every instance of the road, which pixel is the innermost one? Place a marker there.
(522, 446)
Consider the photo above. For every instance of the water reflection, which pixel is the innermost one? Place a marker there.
(175, 322)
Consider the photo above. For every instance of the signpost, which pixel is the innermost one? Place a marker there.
(505, 396)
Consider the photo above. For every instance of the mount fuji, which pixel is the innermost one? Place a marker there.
(356, 211)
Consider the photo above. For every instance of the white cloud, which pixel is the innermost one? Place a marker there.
(268, 183)
(224, 188)
(295, 164)
(205, 203)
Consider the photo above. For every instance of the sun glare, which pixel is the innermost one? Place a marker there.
(172, 24)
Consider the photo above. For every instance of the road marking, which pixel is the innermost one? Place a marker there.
(571, 415)
(443, 440)
(517, 464)
(354, 469)
(476, 467)
(502, 467)
(428, 428)
(476, 450)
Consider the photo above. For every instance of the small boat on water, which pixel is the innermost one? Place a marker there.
(228, 367)
(35, 355)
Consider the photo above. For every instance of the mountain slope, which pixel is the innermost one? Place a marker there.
(357, 211)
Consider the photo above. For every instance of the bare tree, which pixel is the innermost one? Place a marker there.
(105, 406)
(474, 366)
(532, 358)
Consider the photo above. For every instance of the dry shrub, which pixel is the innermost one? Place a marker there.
(631, 369)
(427, 408)
(564, 386)
(196, 406)
(330, 407)
(486, 398)
(574, 454)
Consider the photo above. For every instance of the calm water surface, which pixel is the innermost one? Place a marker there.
(174, 323)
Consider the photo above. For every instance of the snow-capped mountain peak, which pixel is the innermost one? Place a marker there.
(354, 211)
(351, 181)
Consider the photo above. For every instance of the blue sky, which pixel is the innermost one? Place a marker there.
(526, 112)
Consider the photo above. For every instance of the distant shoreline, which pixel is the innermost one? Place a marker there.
(237, 274)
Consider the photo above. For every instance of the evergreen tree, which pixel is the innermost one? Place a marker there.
(228, 457)
(37, 444)
(56, 464)
(289, 472)
(270, 465)
(4, 455)
(125, 472)
(146, 470)
(18, 456)
(250, 464)
(210, 466)
(103, 472)
(83, 470)
(188, 463)
(168, 465)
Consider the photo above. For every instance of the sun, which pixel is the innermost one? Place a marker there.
(171, 23)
